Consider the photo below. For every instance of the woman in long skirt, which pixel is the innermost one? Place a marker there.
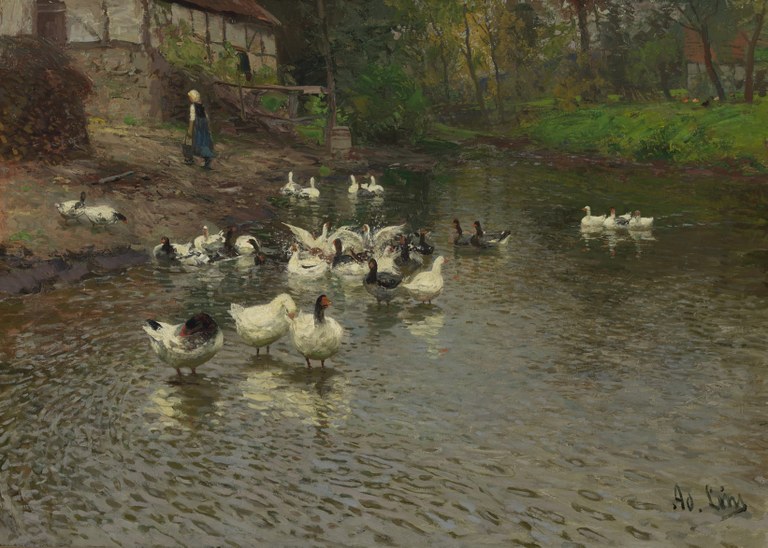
(198, 131)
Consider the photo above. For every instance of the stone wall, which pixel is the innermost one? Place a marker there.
(121, 82)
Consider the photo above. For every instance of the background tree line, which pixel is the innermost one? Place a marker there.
(392, 66)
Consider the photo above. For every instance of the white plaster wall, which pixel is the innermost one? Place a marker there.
(85, 20)
(198, 22)
(236, 34)
(179, 13)
(16, 17)
(216, 28)
(125, 19)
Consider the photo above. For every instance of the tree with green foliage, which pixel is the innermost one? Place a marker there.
(706, 18)
(491, 18)
(751, 13)
(655, 60)
(472, 61)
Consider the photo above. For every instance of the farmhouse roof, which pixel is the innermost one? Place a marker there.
(733, 53)
(247, 8)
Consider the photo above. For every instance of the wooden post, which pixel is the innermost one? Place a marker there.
(242, 102)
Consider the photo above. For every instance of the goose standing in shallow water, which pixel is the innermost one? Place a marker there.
(189, 344)
(261, 325)
(427, 285)
(382, 285)
(316, 336)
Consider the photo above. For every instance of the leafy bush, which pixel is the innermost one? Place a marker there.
(386, 105)
(274, 101)
(657, 146)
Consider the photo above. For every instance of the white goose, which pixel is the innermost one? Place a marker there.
(207, 242)
(179, 253)
(291, 187)
(310, 267)
(374, 187)
(354, 187)
(427, 285)
(261, 325)
(71, 209)
(316, 336)
(310, 191)
(101, 215)
(306, 239)
(188, 344)
(378, 240)
(591, 221)
(640, 223)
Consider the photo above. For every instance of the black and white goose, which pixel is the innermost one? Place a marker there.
(481, 238)
(422, 246)
(316, 336)
(346, 264)
(71, 209)
(382, 285)
(188, 344)
(459, 238)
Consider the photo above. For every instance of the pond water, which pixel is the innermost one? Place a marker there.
(556, 394)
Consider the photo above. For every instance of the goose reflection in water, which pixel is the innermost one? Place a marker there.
(183, 405)
(320, 398)
(425, 322)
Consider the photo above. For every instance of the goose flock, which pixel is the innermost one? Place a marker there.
(390, 262)
(611, 221)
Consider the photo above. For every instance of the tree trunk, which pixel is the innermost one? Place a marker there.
(497, 76)
(749, 69)
(444, 62)
(664, 83)
(330, 79)
(471, 66)
(581, 14)
(713, 77)
(105, 39)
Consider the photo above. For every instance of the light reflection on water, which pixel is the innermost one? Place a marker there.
(553, 395)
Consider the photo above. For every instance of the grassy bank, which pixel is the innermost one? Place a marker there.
(682, 133)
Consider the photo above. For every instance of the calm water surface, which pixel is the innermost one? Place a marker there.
(554, 395)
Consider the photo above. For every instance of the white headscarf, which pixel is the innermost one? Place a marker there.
(194, 95)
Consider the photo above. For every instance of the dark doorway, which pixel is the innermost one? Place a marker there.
(52, 21)
(245, 64)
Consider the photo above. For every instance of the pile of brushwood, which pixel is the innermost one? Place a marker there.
(42, 114)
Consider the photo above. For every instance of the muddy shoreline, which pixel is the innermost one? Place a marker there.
(140, 172)
(162, 196)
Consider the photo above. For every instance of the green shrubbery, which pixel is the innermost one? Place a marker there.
(677, 132)
(386, 105)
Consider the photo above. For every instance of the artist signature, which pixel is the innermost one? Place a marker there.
(721, 501)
